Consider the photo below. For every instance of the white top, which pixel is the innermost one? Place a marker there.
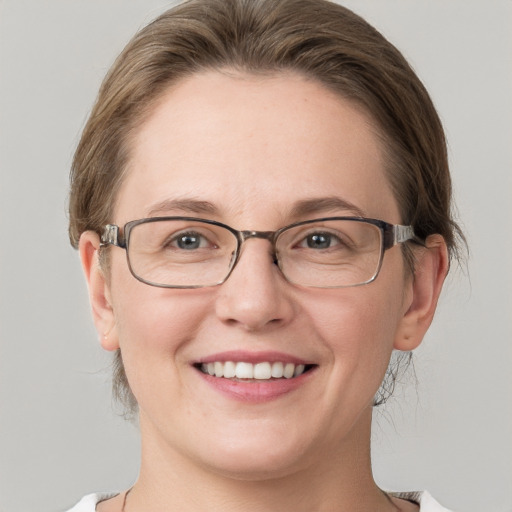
(423, 499)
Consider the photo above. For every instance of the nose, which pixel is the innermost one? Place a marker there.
(255, 296)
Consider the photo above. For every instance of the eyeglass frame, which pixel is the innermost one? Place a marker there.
(392, 234)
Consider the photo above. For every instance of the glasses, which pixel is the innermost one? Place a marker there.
(188, 252)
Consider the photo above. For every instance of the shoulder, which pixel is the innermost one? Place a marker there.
(423, 499)
(88, 503)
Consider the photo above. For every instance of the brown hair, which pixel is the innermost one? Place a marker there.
(323, 41)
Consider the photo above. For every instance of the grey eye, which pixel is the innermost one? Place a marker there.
(189, 241)
(320, 241)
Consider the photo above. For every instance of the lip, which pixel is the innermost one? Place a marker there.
(252, 357)
(254, 391)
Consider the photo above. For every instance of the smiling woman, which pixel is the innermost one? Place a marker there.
(261, 200)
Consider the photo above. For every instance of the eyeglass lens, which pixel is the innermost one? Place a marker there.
(191, 253)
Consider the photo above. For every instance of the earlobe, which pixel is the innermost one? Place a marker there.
(424, 290)
(99, 290)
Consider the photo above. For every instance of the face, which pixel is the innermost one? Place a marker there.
(247, 151)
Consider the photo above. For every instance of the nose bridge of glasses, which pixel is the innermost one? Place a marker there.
(264, 235)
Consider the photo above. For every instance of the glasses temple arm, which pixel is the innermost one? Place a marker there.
(110, 236)
(402, 234)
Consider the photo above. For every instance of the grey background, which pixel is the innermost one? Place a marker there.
(60, 436)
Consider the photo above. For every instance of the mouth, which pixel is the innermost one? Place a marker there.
(241, 371)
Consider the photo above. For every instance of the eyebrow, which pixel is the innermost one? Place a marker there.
(301, 208)
(185, 205)
(323, 205)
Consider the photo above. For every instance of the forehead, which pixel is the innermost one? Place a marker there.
(250, 145)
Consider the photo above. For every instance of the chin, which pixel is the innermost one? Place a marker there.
(248, 469)
(257, 457)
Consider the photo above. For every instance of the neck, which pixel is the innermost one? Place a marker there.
(334, 480)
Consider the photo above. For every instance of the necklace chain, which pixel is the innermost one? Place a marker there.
(126, 496)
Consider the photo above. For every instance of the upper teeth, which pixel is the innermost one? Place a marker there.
(260, 371)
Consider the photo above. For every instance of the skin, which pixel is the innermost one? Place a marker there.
(253, 147)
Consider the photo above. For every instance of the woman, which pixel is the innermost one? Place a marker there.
(261, 200)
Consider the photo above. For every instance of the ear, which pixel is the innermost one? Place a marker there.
(99, 290)
(422, 294)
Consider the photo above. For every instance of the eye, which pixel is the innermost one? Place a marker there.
(320, 240)
(189, 241)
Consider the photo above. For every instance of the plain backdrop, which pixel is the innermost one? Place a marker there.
(60, 434)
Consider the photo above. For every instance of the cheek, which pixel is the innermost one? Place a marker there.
(147, 315)
(152, 325)
(158, 319)
(358, 327)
